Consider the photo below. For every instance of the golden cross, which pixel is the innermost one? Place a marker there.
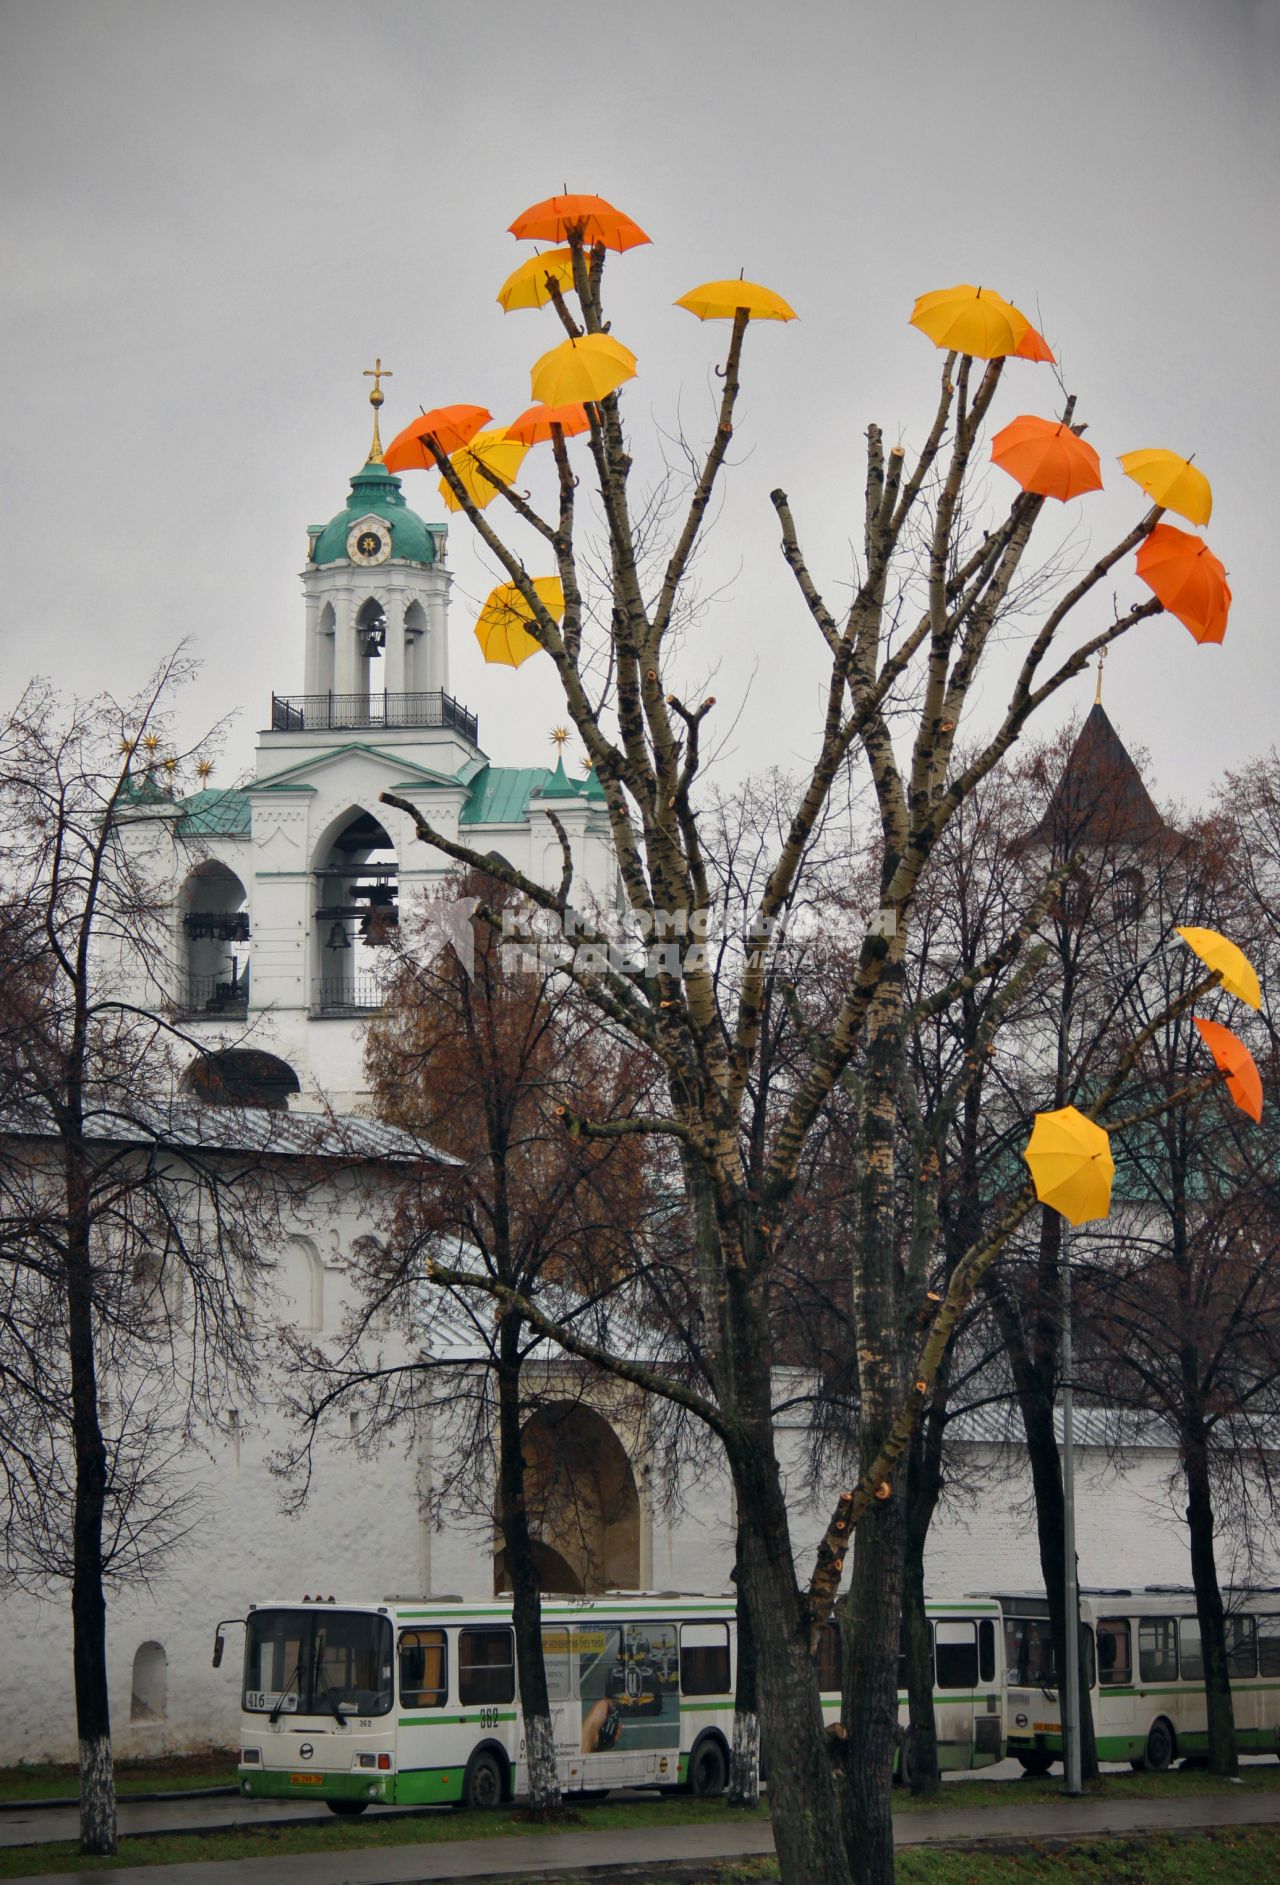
(377, 373)
(1097, 698)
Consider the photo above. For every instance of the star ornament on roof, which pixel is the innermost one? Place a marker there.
(560, 737)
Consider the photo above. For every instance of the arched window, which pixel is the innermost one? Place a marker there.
(371, 627)
(357, 912)
(415, 649)
(1128, 896)
(215, 929)
(300, 1282)
(325, 652)
(1077, 893)
(584, 1509)
(150, 1698)
(242, 1076)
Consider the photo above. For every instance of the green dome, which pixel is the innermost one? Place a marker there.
(376, 491)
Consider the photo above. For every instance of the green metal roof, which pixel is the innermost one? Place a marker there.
(559, 786)
(500, 794)
(376, 491)
(225, 813)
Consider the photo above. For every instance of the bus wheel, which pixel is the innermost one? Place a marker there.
(708, 1770)
(1036, 1764)
(1160, 1750)
(346, 1809)
(482, 1784)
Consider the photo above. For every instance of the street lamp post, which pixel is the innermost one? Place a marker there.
(1071, 1686)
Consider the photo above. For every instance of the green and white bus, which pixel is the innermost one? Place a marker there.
(413, 1701)
(964, 1639)
(1141, 1661)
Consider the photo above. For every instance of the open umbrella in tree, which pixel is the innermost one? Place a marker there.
(1174, 482)
(970, 320)
(526, 286)
(537, 424)
(1071, 1165)
(502, 627)
(1183, 573)
(590, 217)
(1046, 456)
(722, 300)
(450, 426)
(1234, 969)
(588, 367)
(491, 459)
(1236, 1063)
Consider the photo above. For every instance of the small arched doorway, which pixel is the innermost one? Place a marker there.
(584, 1510)
(241, 1076)
(149, 1700)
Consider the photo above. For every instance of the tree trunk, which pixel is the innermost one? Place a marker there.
(924, 1483)
(871, 1621)
(543, 1780)
(744, 1760)
(88, 1599)
(1223, 1754)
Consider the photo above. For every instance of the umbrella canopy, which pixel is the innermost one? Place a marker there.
(503, 457)
(1232, 1057)
(526, 286)
(721, 300)
(1033, 345)
(535, 425)
(970, 320)
(1236, 972)
(1071, 1165)
(587, 368)
(450, 426)
(1173, 482)
(501, 626)
(1047, 458)
(562, 216)
(1185, 575)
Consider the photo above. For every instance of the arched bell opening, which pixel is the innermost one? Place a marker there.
(583, 1506)
(371, 640)
(415, 648)
(357, 913)
(215, 941)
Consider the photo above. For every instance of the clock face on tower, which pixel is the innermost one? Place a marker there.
(369, 543)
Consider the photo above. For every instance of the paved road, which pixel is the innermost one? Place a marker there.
(529, 1856)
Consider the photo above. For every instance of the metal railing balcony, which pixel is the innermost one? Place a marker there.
(212, 998)
(356, 994)
(307, 713)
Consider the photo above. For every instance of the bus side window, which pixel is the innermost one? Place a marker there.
(1242, 1658)
(986, 1650)
(956, 1655)
(1115, 1653)
(1190, 1649)
(1269, 1646)
(424, 1669)
(486, 1666)
(1157, 1652)
(704, 1658)
(829, 1660)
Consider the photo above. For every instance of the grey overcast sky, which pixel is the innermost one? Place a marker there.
(216, 215)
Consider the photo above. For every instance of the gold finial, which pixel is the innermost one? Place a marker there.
(152, 743)
(203, 768)
(587, 763)
(560, 737)
(377, 373)
(1097, 697)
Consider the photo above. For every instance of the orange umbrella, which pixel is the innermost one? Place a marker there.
(1183, 573)
(590, 216)
(450, 426)
(1232, 1058)
(1046, 457)
(1034, 346)
(536, 425)
(969, 320)
(526, 286)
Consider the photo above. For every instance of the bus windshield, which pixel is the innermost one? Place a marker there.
(317, 1662)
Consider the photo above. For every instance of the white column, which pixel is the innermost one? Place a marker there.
(311, 669)
(346, 666)
(437, 677)
(393, 655)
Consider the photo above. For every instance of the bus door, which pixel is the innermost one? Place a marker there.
(1117, 1702)
(566, 1716)
(955, 1651)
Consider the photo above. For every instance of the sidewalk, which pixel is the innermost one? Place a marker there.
(531, 1855)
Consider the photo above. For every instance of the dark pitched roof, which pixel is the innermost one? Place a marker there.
(1100, 798)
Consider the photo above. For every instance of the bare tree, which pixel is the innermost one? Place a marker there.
(933, 593)
(129, 1232)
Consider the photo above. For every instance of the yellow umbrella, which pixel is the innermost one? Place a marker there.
(720, 301)
(1071, 1165)
(500, 626)
(1172, 481)
(587, 368)
(526, 286)
(1237, 973)
(970, 320)
(502, 455)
